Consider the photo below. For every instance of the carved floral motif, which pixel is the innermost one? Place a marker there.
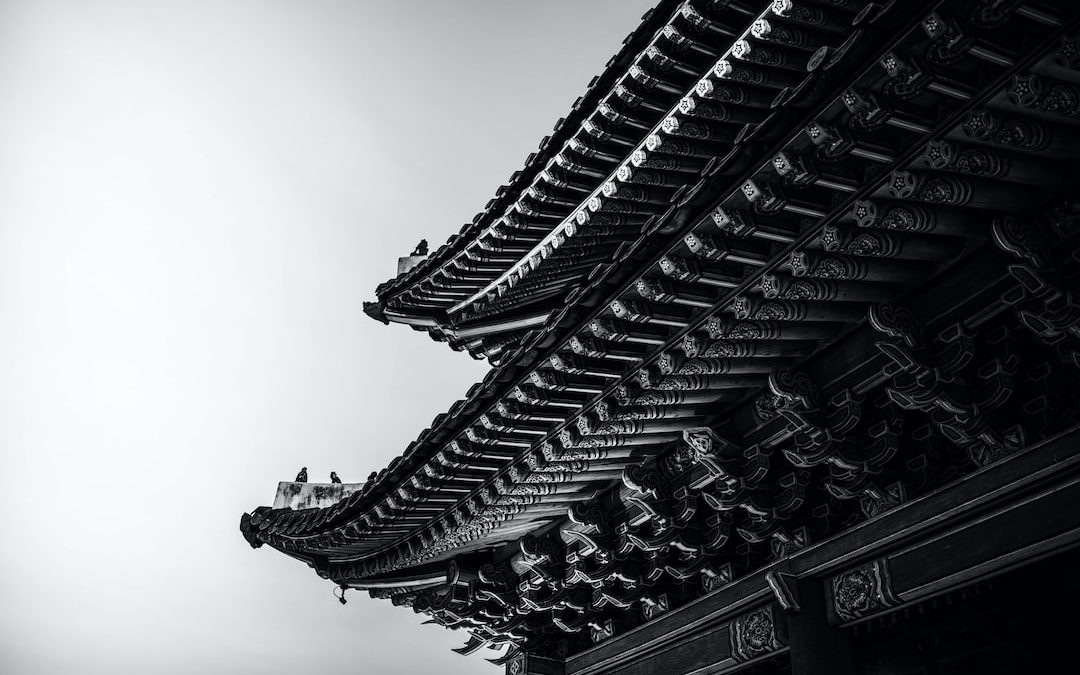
(862, 590)
(754, 634)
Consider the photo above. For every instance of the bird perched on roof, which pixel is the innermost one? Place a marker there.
(302, 476)
(421, 248)
(334, 478)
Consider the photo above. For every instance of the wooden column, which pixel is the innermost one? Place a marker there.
(815, 647)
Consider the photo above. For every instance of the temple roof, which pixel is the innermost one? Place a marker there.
(726, 288)
(676, 145)
(506, 272)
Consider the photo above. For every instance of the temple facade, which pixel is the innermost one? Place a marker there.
(785, 357)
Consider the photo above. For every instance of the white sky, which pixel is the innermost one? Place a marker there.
(195, 197)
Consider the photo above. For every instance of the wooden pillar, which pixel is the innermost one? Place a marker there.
(815, 647)
(530, 664)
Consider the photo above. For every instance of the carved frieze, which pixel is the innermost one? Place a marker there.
(754, 634)
(993, 126)
(931, 188)
(863, 590)
(1039, 93)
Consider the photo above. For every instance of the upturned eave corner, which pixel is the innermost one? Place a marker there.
(375, 311)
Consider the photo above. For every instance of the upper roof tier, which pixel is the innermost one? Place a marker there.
(593, 185)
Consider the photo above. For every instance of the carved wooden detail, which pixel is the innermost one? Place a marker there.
(717, 380)
(862, 591)
(1045, 301)
(754, 634)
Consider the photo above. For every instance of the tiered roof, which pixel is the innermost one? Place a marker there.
(687, 298)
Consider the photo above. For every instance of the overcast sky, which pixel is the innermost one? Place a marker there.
(195, 198)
